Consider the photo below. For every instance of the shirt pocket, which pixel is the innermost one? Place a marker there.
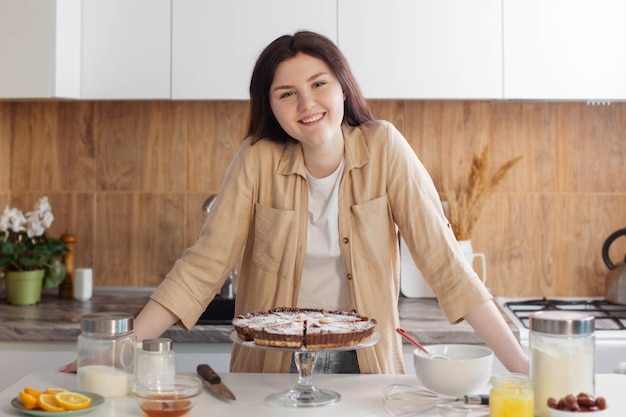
(272, 231)
(372, 233)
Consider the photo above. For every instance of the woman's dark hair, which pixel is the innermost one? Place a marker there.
(263, 124)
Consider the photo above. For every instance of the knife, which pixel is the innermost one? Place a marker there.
(213, 382)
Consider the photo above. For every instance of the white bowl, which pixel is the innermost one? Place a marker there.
(466, 371)
(562, 413)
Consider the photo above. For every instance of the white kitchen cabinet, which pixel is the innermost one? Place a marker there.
(215, 43)
(88, 49)
(39, 48)
(564, 49)
(424, 49)
(125, 51)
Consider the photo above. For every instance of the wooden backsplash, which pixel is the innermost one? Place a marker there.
(129, 179)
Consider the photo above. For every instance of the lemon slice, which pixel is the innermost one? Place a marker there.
(32, 391)
(54, 391)
(48, 402)
(28, 400)
(72, 400)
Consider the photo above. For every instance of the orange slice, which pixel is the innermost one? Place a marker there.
(28, 400)
(32, 391)
(72, 400)
(47, 402)
(54, 391)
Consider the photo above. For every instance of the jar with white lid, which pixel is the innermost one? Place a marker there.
(562, 355)
(106, 354)
(156, 359)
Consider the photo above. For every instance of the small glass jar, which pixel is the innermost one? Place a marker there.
(511, 395)
(106, 354)
(156, 359)
(562, 355)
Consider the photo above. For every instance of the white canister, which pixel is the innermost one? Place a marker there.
(156, 360)
(562, 355)
(83, 284)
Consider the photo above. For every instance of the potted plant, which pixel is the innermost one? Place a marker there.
(29, 259)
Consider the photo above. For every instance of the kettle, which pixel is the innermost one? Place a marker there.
(616, 280)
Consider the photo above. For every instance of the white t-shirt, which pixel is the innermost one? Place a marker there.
(323, 283)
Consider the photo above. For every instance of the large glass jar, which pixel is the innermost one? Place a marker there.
(106, 354)
(511, 395)
(562, 355)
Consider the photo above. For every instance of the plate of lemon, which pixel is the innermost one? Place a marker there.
(57, 401)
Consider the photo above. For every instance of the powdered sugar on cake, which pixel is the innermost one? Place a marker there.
(301, 327)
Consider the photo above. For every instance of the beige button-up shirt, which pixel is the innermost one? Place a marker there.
(262, 210)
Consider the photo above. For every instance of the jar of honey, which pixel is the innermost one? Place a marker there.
(511, 395)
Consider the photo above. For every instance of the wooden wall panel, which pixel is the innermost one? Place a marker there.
(129, 179)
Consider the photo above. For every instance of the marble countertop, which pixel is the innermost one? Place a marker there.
(55, 319)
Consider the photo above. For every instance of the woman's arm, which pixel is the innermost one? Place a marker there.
(488, 322)
(153, 321)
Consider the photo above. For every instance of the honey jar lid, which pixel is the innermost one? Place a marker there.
(562, 322)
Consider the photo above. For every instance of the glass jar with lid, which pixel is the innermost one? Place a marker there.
(106, 354)
(511, 395)
(156, 359)
(562, 355)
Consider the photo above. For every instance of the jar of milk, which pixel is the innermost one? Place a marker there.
(562, 355)
(106, 354)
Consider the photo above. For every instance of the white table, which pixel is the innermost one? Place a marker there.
(361, 395)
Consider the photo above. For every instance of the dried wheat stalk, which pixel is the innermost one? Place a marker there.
(465, 205)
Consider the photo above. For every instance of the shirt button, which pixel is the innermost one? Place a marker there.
(349, 276)
(346, 240)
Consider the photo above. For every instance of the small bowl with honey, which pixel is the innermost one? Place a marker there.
(167, 397)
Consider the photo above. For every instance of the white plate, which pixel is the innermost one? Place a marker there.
(96, 400)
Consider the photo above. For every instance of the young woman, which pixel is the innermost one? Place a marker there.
(314, 199)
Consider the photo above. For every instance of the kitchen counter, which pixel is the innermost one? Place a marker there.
(58, 320)
(361, 395)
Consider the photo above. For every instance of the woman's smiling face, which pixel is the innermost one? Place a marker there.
(307, 100)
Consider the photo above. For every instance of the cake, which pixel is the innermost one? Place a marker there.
(286, 327)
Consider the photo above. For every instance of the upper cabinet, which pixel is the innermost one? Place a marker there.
(564, 49)
(441, 49)
(88, 49)
(215, 43)
(125, 52)
(39, 48)
(398, 49)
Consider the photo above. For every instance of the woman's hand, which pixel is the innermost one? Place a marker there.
(70, 368)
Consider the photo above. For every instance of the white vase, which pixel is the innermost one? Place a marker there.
(470, 256)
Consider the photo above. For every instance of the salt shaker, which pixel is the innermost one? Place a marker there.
(156, 359)
(562, 355)
(106, 354)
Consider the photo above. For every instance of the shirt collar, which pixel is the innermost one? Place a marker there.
(355, 149)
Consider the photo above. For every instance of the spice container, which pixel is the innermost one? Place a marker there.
(156, 359)
(106, 354)
(562, 355)
(511, 395)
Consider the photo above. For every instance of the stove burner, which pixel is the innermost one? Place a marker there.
(608, 315)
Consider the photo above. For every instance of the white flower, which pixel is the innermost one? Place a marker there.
(12, 220)
(34, 223)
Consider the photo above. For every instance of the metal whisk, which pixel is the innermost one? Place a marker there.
(409, 400)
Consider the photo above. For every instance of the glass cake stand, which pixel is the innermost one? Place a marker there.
(304, 393)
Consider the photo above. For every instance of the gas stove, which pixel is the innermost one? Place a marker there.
(610, 323)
